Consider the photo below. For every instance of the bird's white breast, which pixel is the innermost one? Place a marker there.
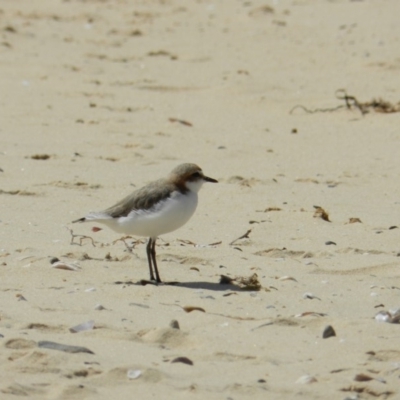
(165, 216)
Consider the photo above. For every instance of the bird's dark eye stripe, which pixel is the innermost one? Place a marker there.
(196, 175)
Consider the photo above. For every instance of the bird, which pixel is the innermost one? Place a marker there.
(155, 209)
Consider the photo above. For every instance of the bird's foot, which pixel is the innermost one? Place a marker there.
(145, 282)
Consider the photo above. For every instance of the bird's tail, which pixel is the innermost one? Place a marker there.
(94, 216)
(80, 220)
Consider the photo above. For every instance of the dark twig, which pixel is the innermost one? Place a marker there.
(123, 239)
(316, 110)
(189, 242)
(351, 102)
(245, 236)
(81, 238)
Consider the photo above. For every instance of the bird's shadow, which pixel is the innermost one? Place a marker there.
(217, 287)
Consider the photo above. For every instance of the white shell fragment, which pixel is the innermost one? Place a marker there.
(133, 373)
(310, 313)
(306, 379)
(310, 296)
(391, 317)
(74, 266)
(85, 326)
(99, 307)
(287, 278)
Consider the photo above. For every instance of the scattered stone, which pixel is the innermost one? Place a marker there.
(328, 332)
(174, 324)
(44, 344)
(133, 373)
(183, 360)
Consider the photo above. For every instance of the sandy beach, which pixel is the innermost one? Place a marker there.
(291, 105)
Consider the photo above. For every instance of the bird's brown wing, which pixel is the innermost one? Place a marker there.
(143, 199)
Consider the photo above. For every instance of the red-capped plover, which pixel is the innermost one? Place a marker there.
(159, 207)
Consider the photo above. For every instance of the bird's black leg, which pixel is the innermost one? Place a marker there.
(149, 251)
(153, 257)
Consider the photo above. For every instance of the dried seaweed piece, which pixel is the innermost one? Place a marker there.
(321, 213)
(123, 240)
(307, 180)
(260, 11)
(310, 296)
(189, 309)
(81, 238)
(181, 121)
(40, 157)
(183, 360)
(248, 283)
(229, 294)
(312, 313)
(354, 220)
(245, 283)
(18, 192)
(363, 378)
(186, 241)
(352, 388)
(351, 102)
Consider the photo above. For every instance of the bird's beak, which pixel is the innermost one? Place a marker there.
(208, 179)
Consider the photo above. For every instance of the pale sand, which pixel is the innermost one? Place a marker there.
(103, 79)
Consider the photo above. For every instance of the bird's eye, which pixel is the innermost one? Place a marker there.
(196, 175)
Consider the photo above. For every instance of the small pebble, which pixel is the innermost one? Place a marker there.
(133, 373)
(310, 296)
(306, 379)
(363, 378)
(44, 344)
(85, 326)
(174, 324)
(328, 332)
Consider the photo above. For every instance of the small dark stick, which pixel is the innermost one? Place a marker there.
(245, 236)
